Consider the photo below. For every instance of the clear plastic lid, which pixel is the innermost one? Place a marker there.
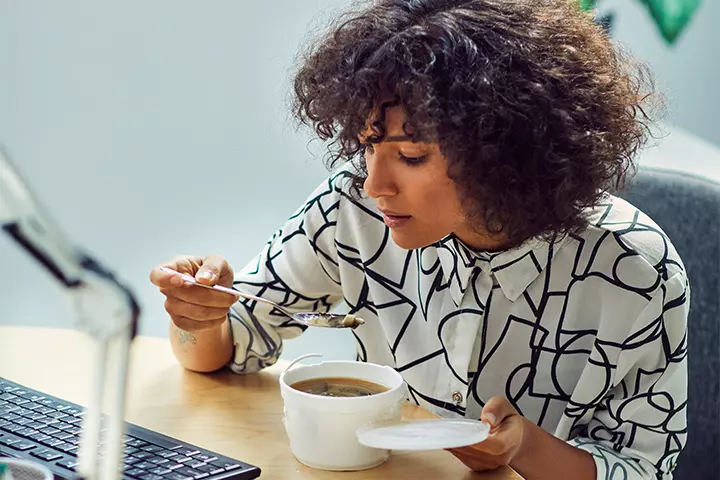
(433, 434)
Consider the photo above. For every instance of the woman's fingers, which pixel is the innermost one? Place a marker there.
(214, 270)
(200, 296)
(183, 263)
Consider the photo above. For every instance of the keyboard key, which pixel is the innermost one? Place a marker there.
(48, 402)
(47, 420)
(176, 476)
(131, 460)
(7, 441)
(8, 397)
(51, 442)
(73, 411)
(22, 421)
(57, 415)
(151, 448)
(136, 443)
(182, 459)
(39, 437)
(130, 450)
(205, 457)
(143, 454)
(187, 452)
(62, 435)
(9, 409)
(19, 401)
(34, 416)
(12, 427)
(158, 460)
(49, 430)
(150, 476)
(22, 445)
(194, 463)
(210, 469)
(63, 426)
(47, 455)
(136, 472)
(145, 465)
(191, 472)
(166, 454)
(22, 393)
(69, 464)
(65, 447)
(44, 409)
(25, 432)
(160, 471)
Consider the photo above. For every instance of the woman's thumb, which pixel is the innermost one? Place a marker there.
(496, 410)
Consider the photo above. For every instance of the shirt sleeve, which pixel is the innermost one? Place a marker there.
(298, 270)
(640, 426)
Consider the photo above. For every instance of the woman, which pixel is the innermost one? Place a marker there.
(470, 225)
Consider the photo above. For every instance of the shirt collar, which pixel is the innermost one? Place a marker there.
(514, 269)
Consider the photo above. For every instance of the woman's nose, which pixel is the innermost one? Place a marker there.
(380, 179)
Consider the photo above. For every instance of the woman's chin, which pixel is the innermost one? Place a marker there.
(408, 241)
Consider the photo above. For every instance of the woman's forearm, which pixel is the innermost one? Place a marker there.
(545, 457)
(202, 351)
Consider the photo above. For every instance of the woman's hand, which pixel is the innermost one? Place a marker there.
(507, 431)
(194, 309)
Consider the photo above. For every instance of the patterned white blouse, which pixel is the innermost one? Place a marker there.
(586, 336)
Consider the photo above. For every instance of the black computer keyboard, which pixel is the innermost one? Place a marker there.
(45, 429)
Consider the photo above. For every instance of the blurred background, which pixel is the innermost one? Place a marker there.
(157, 128)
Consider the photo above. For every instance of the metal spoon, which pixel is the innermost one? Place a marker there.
(312, 319)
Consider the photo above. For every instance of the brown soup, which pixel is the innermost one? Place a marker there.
(339, 387)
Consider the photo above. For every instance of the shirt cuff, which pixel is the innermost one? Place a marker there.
(611, 465)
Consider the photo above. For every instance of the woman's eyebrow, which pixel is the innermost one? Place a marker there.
(398, 138)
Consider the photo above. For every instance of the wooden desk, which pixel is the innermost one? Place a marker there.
(235, 415)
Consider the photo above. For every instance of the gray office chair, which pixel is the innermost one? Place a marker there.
(687, 208)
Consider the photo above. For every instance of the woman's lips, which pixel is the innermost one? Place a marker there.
(395, 220)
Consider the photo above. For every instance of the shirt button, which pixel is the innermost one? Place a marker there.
(457, 398)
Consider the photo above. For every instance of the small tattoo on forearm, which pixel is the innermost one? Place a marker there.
(184, 338)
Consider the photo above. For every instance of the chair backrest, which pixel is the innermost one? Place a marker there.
(687, 208)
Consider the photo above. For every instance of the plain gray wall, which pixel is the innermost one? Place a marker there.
(688, 72)
(154, 128)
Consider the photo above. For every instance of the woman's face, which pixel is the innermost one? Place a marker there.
(409, 182)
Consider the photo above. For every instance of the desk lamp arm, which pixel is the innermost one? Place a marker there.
(105, 310)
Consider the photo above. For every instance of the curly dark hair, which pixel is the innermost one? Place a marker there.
(537, 112)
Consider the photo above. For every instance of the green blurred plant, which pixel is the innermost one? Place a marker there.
(670, 16)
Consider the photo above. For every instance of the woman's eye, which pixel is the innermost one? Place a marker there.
(413, 160)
